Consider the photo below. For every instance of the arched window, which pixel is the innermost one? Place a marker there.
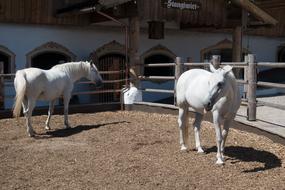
(158, 54)
(48, 55)
(222, 48)
(275, 75)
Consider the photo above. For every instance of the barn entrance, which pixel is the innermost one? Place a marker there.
(158, 71)
(112, 68)
(5, 63)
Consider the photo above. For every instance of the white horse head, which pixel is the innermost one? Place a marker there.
(93, 73)
(216, 85)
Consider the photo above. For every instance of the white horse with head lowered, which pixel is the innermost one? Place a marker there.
(214, 91)
(34, 84)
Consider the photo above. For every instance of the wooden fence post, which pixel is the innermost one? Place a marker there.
(251, 96)
(245, 73)
(216, 61)
(1, 85)
(179, 69)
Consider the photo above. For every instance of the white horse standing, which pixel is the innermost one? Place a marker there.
(32, 84)
(214, 91)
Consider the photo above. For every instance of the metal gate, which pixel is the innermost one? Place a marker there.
(112, 69)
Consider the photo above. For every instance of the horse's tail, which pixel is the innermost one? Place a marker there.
(20, 84)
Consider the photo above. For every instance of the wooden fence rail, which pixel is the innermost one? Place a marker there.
(249, 82)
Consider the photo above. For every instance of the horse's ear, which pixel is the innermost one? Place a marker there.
(212, 68)
(227, 69)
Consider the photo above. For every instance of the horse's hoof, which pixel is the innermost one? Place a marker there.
(67, 127)
(220, 162)
(200, 150)
(47, 128)
(31, 134)
(183, 148)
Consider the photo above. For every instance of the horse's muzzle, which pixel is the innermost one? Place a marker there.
(99, 83)
(209, 106)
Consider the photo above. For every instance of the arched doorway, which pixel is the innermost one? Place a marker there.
(160, 71)
(158, 54)
(7, 61)
(110, 58)
(275, 75)
(48, 55)
(224, 50)
(46, 60)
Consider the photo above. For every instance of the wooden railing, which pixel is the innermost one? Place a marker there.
(250, 83)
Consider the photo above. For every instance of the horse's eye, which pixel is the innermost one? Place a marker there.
(220, 84)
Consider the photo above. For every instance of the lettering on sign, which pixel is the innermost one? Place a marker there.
(181, 4)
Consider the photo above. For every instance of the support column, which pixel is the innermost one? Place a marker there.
(237, 44)
(1, 85)
(251, 76)
(237, 48)
(135, 65)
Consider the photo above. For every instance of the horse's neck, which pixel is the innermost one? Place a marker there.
(75, 72)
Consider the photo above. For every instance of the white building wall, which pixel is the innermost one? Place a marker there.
(21, 39)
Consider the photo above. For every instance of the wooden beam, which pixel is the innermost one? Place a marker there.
(256, 11)
(237, 44)
(135, 66)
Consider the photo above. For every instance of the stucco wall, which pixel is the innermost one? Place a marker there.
(21, 39)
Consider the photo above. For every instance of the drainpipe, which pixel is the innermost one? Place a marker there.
(93, 9)
(126, 40)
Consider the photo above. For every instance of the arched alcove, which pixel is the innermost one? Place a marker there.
(7, 57)
(222, 48)
(110, 57)
(48, 55)
(158, 54)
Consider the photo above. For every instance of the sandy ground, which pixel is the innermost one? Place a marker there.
(132, 150)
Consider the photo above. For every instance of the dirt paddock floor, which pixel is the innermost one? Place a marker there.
(132, 150)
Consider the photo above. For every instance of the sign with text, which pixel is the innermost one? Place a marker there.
(181, 4)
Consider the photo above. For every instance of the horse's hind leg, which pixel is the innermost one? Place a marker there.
(28, 115)
(182, 123)
(66, 99)
(197, 126)
(50, 112)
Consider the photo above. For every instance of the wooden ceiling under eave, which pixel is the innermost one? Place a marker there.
(276, 8)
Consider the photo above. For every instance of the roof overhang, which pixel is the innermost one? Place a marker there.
(89, 6)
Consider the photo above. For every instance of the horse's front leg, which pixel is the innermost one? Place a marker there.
(217, 124)
(66, 99)
(197, 126)
(225, 132)
(183, 130)
(50, 112)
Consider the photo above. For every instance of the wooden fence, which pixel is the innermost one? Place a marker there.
(249, 81)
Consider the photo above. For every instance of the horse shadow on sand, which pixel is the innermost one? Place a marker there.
(74, 130)
(248, 154)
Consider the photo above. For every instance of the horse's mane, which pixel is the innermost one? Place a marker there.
(73, 66)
